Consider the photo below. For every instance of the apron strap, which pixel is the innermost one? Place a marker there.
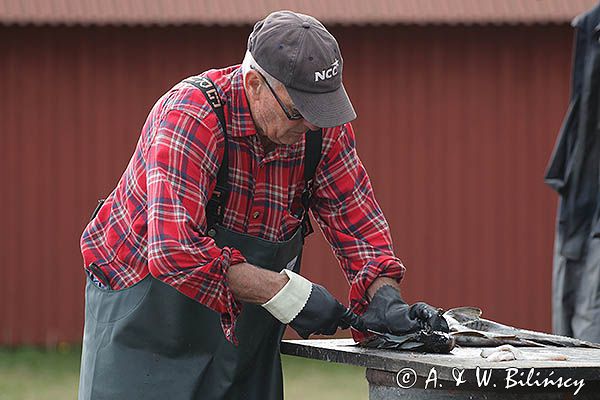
(312, 156)
(215, 209)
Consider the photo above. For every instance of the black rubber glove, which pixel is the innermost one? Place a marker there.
(389, 313)
(429, 316)
(321, 314)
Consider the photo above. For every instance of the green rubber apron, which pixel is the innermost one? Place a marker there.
(149, 341)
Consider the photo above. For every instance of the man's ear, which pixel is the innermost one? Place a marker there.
(253, 84)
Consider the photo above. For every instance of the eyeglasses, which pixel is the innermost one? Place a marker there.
(293, 115)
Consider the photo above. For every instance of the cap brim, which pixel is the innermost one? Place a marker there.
(324, 110)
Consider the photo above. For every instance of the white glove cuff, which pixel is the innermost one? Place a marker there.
(291, 299)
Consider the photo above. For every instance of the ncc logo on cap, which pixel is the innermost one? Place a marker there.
(327, 73)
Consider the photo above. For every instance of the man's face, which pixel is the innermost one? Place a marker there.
(269, 116)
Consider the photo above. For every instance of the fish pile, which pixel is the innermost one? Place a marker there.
(468, 329)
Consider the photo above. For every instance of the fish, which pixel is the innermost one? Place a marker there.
(470, 330)
(424, 340)
(429, 338)
(468, 337)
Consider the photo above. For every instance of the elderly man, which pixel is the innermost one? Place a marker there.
(193, 259)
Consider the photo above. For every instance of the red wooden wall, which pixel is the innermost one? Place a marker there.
(455, 128)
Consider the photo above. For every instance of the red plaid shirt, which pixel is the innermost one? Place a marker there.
(154, 220)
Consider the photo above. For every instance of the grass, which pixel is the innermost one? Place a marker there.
(310, 379)
(34, 374)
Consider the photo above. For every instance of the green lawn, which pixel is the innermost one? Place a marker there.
(310, 379)
(32, 374)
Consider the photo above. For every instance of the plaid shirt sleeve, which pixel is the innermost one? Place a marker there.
(182, 164)
(345, 208)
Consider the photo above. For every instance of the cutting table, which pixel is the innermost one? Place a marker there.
(462, 374)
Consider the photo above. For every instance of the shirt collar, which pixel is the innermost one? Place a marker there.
(242, 123)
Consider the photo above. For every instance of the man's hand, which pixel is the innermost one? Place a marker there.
(389, 313)
(321, 315)
(429, 316)
(307, 307)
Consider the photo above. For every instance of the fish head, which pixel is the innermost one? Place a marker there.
(463, 315)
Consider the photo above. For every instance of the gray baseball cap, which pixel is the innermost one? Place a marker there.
(298, 51)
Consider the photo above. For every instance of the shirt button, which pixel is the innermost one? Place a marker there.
(256, 214)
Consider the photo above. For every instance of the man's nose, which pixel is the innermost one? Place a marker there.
(309, 125)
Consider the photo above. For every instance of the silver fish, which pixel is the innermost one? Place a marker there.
(470, 330)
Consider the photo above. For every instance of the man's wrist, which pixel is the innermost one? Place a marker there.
(253, 284)
(378, 283)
